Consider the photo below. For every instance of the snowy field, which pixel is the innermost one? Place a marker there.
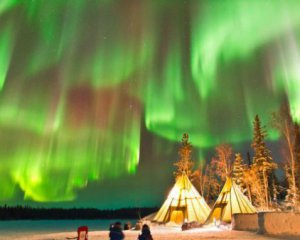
(159, 233)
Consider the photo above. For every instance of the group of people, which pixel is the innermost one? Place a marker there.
(116, 233)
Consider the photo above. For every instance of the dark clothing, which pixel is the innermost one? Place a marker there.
(146, 235)
(116, 234)
(143, 237)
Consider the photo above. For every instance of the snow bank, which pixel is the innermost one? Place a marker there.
(275, 223)
(245, 222)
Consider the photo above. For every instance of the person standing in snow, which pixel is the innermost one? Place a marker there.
(116, 232)
(146, 234)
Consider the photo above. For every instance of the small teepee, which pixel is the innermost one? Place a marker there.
(231, 200)
(184, 203)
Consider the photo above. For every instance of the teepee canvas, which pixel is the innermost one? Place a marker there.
(231, 200)
(183, 204)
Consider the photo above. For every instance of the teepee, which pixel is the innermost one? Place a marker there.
(231, 200)
(184, 203)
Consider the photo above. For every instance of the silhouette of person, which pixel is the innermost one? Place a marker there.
(146, 234)
(116, 232)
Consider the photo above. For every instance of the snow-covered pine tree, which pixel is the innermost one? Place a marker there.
(263, 163)
(291, 197)
(238, 171)
(255, 189)
(248, 182)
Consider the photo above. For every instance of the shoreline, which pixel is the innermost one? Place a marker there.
(158, 233)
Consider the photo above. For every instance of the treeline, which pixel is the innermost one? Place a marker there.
(29, 213)
(256, 175)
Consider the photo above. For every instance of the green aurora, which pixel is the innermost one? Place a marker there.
(79, 80)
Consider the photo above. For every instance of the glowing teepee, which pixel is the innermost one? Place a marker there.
(231, 200)
(184, 203)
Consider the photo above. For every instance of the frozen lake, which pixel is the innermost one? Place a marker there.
(21, 228)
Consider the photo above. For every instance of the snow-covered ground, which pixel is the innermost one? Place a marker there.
(159, 233)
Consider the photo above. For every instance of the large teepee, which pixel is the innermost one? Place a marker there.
(183, 203)
(231, 200)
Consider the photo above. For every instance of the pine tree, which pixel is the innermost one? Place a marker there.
(275, 193)
(238, 170)
(248, 178)
(259, 190)
(184, 164)
(282, 121)
(291, 197)
(263, 163)
(254, 186)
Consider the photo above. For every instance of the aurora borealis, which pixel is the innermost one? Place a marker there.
(91, 89)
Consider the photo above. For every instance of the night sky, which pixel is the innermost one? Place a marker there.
(96, 94)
